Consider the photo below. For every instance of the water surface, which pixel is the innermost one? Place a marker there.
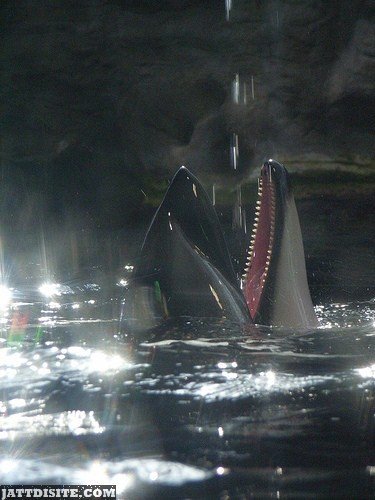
(201, 408)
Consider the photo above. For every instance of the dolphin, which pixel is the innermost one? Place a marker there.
(184, 267)
(275, 282)
(185, 270)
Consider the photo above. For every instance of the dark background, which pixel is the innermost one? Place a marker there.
(103, 100)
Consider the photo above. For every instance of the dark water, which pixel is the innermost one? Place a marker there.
(204, 409)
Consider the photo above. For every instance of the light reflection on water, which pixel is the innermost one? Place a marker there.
(206, 404)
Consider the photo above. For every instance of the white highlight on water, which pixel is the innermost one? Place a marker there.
(5, 296)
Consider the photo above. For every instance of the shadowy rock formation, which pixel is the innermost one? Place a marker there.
(101, 99)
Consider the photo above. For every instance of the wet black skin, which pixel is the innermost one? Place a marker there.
(184, 268)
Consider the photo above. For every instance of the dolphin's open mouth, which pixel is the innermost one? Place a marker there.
(262, 239)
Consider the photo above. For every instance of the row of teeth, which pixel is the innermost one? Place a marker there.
(254, 232)
(272, 233)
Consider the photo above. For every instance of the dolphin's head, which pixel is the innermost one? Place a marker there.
(184, 267)
(275, 283)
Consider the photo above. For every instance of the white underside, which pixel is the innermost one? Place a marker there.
(292, 301)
